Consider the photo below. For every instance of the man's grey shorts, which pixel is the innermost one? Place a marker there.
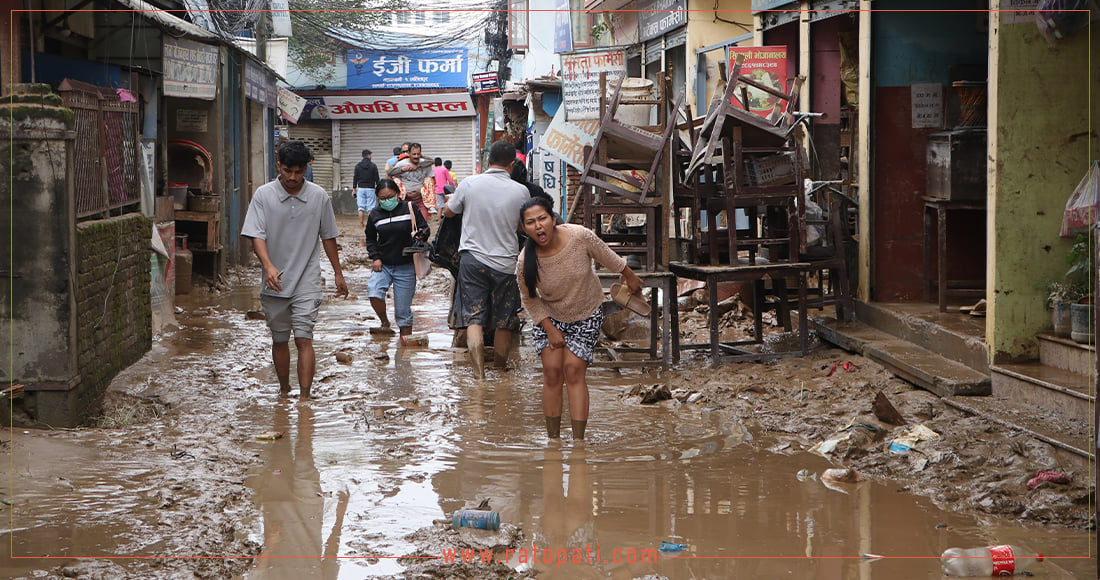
(297, 314)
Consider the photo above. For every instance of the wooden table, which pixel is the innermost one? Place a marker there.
(713, 275)
(663, 315)
(942, 207)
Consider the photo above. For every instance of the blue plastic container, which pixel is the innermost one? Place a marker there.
(477, 519)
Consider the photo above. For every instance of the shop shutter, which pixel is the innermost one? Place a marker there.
(318, 137)
(676, 38)
(449, 138)
(653, 50)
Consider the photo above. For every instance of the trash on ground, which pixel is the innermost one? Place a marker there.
(269, 435)
(343, 358)
(1045, 476)
(672, 547)
(884, 410)
(652, 394)
(414, 340)
(476, 519)
(911, 437)
(871, 556)
(804, 474)
(847, 366)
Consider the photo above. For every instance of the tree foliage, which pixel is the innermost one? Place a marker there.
(319, 26)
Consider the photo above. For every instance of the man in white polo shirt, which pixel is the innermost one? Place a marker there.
(289, 220)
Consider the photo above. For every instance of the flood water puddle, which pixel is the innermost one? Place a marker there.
(401, 438)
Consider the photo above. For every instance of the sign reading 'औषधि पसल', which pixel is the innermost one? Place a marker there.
(656, 17)
(580, 80)
(486, 82)
(436, 68)
(393, 106)
(190, 69)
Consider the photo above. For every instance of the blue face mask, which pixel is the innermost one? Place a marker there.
(389, 204)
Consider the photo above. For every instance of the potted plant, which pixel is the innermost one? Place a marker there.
(1082, 274)
(1060, 295)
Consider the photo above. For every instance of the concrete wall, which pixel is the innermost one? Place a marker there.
(1039, 136)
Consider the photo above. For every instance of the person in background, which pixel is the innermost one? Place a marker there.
(564, 299)
(365, 178)
(447, 164)
(309, 170)
(388, 232)
(442, 179)
(413, 172)
(393, 160)
(289, 220)
(487, 290)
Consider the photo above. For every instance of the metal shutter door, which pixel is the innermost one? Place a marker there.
(449, 138)
(318, 137)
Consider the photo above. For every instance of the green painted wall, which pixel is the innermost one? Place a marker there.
(1039, 136)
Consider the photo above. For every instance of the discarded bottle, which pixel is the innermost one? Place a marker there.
(477, 519)
(1001, 560)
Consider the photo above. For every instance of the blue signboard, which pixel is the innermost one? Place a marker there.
(563, 27)
(409, 69)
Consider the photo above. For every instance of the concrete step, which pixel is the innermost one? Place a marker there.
(1070, 439)
(915, 364)
(954, 336)
(1065, 354)
(1059, 391)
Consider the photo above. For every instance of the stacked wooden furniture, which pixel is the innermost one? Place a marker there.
(623, 175)
(741, 161)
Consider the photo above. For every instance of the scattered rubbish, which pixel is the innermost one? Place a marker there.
(255, 315)
(871, 556)
(652, 394)
(1044, 476)
(866, 431)
(476, 519)
(414, 340)
(484, 505)
(840, 475)
(885, 411)
(343, 358)
(1001, 560)
(672, 547)
(911, 437)
(805, 474)
(847, 366)
(269, 436)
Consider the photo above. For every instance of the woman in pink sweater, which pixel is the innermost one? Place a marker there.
(564, 299)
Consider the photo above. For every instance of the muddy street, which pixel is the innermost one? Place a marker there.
(198, 468)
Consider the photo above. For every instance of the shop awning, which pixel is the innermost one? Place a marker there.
(167, 21)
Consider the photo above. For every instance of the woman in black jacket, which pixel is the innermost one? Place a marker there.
(389, 231)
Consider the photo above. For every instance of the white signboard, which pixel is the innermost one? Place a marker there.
(290, 105)
(567, 140)
(1018, 11)
(549, 172)
(280, 17)
(190, 69)
(191, 120)
(927, 105)
(396, 106)
(580, 77)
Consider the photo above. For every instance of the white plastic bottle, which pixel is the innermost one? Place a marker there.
(1001, 560)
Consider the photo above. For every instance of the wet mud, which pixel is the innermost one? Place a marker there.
(197, 468)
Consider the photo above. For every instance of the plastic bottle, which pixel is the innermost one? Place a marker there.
(1001, 560)
(477, 519)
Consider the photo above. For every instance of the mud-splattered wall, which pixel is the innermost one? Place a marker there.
(1039, 133)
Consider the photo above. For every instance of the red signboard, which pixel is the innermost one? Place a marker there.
(767, 65)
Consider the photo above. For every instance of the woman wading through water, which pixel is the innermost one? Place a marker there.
(563, 297)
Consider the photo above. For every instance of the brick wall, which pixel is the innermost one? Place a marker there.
(113, 337)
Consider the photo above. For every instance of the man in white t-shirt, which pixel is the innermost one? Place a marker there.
(490, 205)
(289, 220)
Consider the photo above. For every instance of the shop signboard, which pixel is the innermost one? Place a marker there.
(567, 139)
(563, 27)
(657, 17)
(486, 82)
(433, 68)
(258, 85)
(190, 69)
(580, 78)
(767, 65)
(290, 105)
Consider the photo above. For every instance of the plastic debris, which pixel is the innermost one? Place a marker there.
(910, 438)
(672, 547)
(269, 436)
(804, 474)
(1044, 476)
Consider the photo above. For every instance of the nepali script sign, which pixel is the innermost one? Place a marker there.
(412, 69)
(190, 69)
(656, 17)
(397, 107)
(567, 139)
(580, 77)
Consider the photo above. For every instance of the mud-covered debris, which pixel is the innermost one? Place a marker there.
(343, 358)
(255, 315)
(885, 411)
(1047, 476)
(651, 394)
(805, 474)
(382, 356)
(840, 475)
(93, 570)
(269, 436)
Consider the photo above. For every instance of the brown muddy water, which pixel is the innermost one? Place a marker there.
(402, 437)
